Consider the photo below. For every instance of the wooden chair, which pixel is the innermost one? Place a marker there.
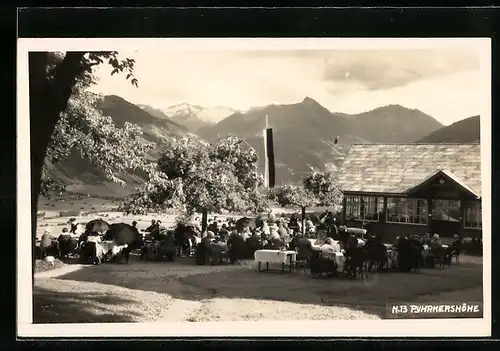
(302, 260)
(304, 253)
(456, 254)
(440, 257)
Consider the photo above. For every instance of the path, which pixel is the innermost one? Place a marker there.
(182, 291)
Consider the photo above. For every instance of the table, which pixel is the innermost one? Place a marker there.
(275, 256)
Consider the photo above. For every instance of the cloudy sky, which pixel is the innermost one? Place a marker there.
(443, 83)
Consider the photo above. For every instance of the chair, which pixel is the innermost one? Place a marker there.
(356, 263)
(237, 251)
(454, 251)
(302, 259)
(456, 254)
(304, 254)
(440, 257)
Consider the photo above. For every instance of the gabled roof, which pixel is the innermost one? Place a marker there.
(397, 168)
(444, 174)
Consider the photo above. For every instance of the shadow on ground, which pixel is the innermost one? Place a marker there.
(184, 280)
(51, 306)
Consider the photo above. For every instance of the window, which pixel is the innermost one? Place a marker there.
(473, 219)
(364, 208)
(446, 210)
(405, 210)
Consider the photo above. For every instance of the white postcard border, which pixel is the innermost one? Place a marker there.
(359, 328)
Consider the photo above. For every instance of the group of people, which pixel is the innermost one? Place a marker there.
(58, 246)
(415, 251)
(239, 238)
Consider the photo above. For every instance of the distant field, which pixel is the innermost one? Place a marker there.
(95, 207)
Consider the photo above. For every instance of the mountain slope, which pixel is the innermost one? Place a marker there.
(304, 132)
(464, 131)
(394, 124)
(123, 111)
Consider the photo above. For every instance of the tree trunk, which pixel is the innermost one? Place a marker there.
(48, 98)
(303, 219)
(204, 220)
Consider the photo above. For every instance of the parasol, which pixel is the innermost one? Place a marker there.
(122, 233)
(97, 226)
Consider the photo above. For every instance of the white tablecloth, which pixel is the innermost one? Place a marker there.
(275, 256)
(313, 242)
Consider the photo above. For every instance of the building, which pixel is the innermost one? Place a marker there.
(401, 189)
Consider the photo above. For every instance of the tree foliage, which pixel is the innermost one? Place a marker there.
(53, 78)
(193, 176)
(83, 127)
(292, 195)
(324, 186)
(315, 189)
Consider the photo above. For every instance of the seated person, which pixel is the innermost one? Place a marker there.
(329, 248)
(426, 240)
(214, 226)
(48, 244)
(454, 248)
(294, 222)
(245, 234)
(253, 243)
(237, 247)
(304, 248)
(435, 244)
(224, 231)
(167, 245)
(282, 231)
(64, 235)
(275, 242)
(395, 244)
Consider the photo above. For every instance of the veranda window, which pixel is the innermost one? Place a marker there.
(406, 210)
(473, 215)
(364, 208)
(446, 210)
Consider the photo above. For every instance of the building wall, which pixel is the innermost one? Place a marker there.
(390, 231)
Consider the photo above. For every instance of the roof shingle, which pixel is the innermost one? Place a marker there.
(395, 168)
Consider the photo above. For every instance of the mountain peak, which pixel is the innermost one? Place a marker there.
(308, 100)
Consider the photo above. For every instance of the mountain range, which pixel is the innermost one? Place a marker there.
(193, 117)
(303, 134)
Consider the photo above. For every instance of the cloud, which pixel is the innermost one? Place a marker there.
(376, 70)
(349, 81)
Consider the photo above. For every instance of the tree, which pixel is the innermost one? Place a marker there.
(315, 189)
(83, 128)
(291, 195)
(53, 78)
(324, 186)
(196, 177)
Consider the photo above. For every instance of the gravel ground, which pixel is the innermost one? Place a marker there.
(181, 291)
